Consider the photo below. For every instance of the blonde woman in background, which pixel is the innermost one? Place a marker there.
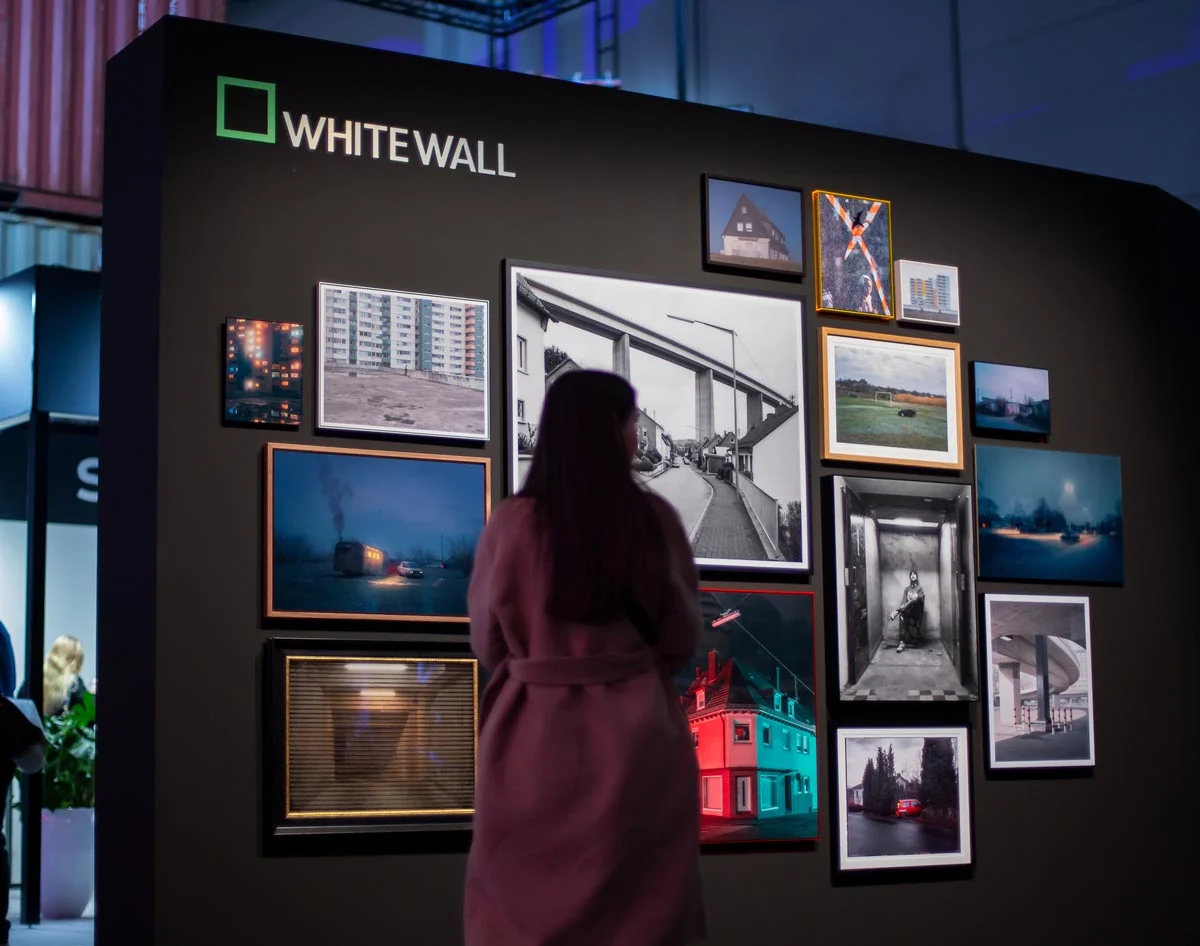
(62, 686)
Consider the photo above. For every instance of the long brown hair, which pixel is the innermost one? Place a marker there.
(607, 554)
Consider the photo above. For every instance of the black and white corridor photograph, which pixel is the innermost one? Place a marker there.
(905, 567)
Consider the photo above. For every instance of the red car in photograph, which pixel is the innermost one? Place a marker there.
(908, 808)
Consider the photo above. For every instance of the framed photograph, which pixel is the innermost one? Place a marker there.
(402, 363)
(904, 798)
(905, 590)
(264, 373)
(853, 236)
(1039, 682)
(893, 400)
(372, 535)
(753, 227)
(1010, 400)
(928, 293)
(1049, 516)
(750, 702)
(720, 385)
(369, 736)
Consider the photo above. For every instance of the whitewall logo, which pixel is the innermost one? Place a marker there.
(254, 117)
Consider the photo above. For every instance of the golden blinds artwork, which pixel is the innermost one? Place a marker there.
(378, 736)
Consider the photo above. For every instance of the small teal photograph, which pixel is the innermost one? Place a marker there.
(383, 536)
(754, 226)
(1011, 399)
(1049, 516)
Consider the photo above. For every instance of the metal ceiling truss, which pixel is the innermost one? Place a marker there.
(494, 18)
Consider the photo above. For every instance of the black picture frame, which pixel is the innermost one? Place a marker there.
(1039, 435)
(796, 267)
(287, 828)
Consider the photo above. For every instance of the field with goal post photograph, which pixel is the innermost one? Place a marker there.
(891, 400)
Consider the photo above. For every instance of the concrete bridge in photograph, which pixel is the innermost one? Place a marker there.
(626, 336)
(1030, 640)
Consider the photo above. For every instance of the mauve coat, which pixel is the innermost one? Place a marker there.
(587, 813)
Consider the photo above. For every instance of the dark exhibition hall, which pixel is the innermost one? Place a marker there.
(596, 472)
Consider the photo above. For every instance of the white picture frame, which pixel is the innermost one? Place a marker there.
(927, 294)
(1027, 730)
(424, 375)
(866, 841)
(665, 338)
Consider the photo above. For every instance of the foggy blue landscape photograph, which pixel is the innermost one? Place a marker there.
(372, 535)
(1049, 516)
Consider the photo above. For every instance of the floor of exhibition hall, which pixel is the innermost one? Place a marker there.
(49, 932)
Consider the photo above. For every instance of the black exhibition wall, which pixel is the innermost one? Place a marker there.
(1060, 270)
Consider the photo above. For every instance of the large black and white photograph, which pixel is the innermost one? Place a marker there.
(906, 622)
(719, 381)
(903, 798)
(1039, 681)
(401, 363)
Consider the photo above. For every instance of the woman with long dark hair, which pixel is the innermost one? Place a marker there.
(583, 603)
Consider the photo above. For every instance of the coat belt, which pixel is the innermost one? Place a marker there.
(581, 671)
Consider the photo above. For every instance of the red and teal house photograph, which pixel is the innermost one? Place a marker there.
(750, 703)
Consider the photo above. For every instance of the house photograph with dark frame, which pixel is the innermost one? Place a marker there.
(749, 699)
(721, 413)
(371, 534)
(1040, 681)
(264, 373)
(1046, 515)
(401, 363)
(755, 227)
(903, 798)
(1010, 400)
(905, 575)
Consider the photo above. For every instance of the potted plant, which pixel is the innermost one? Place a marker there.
(68, 810)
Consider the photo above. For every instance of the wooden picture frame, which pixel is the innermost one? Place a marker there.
(864, 375)
(377, 567)
(852, 246)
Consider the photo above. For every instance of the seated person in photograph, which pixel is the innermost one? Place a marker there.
(583, 604)
(911, 612)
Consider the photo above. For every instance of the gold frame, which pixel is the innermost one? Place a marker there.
(817, 195)
(269, 534)
(290, 815)
(826, 452)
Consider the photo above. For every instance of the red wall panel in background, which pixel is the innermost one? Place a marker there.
(52, 56)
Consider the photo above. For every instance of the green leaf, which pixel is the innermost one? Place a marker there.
(69, 773)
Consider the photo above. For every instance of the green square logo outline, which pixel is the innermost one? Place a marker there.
(225, 82)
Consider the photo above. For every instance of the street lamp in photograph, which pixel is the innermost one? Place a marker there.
(733, 370)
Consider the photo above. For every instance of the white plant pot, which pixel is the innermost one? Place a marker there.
(68, 865)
